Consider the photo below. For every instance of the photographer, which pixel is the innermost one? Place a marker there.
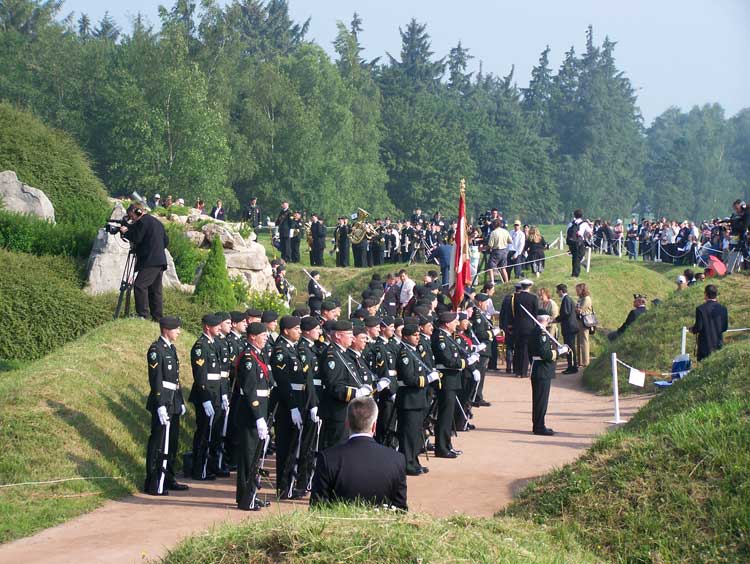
(738, 226)
(149, 241)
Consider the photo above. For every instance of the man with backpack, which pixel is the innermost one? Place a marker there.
(576, 237)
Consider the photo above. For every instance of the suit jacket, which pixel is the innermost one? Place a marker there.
(711, 320)
(318, 231)
(567, 317)
(150, 240)
(522, 323)
(360, 469)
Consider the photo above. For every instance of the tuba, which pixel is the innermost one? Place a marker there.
(362, 230)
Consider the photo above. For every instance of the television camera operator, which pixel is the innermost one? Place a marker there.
(149, 242)
(739, 223)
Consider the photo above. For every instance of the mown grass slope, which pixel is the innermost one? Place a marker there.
(353, 534)
(79, 412)
(673, 485)
(654, 340)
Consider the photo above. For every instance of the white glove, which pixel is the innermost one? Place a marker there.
(224, 402)
(481, 347)
(495, 331)
(432, 376)
(393, 397)
(477, 375)
(162, 413)
(296, 417)
(473, 359)
(364, 391)
(565, 349)
(314, 414)
(383, 383)
(183, 410)
(260, 424)
(327, 294)
(208, 408)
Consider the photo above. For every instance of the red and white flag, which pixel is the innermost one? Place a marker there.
(461, 267)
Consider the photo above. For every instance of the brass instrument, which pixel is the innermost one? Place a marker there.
(362, 230)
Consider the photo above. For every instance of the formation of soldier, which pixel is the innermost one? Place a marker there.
(264, 386)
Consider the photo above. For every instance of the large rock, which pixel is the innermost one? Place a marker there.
(196, 237)
(107, 260)
(18, 197)
(252, 264)
(229, 239)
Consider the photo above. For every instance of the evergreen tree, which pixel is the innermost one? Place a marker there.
(537, 97)
(107, 29)
(458, 60)
(214, 289)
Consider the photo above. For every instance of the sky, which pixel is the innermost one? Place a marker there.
(676, 52)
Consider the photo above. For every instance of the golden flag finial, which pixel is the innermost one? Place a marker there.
(463, 186)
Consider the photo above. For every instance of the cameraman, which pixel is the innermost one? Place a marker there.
(149, 241)
(738, 226)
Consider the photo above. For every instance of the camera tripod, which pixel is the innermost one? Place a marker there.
(427, 253)
(126, 286)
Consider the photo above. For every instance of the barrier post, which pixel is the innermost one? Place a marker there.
(588, 259)
(349, 305)
(561, 240)
(658, 250)
(615, 390)
(683, 341)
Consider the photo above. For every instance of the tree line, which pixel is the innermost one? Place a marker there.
(230, 102)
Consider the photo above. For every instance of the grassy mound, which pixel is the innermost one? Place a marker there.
(352, 534)
(51, 161)
(41, 305)
(654, 340)
(77, 413)
(671, 486)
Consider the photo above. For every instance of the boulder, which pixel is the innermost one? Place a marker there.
(107, 260)
(196, 237)
(252, 264)
(18, 197)
(229, 239)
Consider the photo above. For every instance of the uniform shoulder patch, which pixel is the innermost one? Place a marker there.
(442, 345)
(248, 364)
(405, 360)
(544, 338)
(331, 364)
(279, 357)
(197, 351)
(152, 355)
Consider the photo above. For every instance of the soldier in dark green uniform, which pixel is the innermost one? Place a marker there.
(291, 397)
(307, 351)
(251, 415)
(481, 325)
(449, 360)
(382, 362)
(411, 400)
(221, 419)
(341, 384)
(543, 355)
(205, 394)
(237, 344)
(166, 405)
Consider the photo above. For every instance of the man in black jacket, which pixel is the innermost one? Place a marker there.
(318, 231)
(284, 225)
(148, 237)
(360, 469)
(523, 326)
(711, 320)
(568, 326)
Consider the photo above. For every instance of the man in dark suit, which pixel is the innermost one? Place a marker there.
(149, 239)
(217, 212)
(523, 326)
(284, 225)
(360, 469)
(568, 326)
(711, 320)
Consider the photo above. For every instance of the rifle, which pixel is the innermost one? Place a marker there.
(296, 453)
(208, 446)
(260, 453)
(165, 452)
(222, 445)
(326, 293)
(315, 458)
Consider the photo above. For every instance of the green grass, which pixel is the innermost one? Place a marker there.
(353, 534)
(654, 340)
(79, 412)
(673, 485)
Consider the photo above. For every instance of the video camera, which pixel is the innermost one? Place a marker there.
(113, 225)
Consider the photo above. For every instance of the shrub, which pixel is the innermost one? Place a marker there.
(51, 161)
(187, 258)
(241, 289)
(42, 306)
(30, 234)
(171, 210)
(214, 288)
(267, 301)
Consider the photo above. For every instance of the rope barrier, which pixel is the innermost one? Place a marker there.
(521, 263)
(649, 372)
(60, 480)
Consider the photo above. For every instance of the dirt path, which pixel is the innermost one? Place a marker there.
(500, 456)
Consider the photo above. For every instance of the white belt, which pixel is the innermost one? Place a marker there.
(262, 393)
(298, 387)
(169, 385)
(213, 376)
(224, 374)
(536, 358)
(392, 373)
(317, 382)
